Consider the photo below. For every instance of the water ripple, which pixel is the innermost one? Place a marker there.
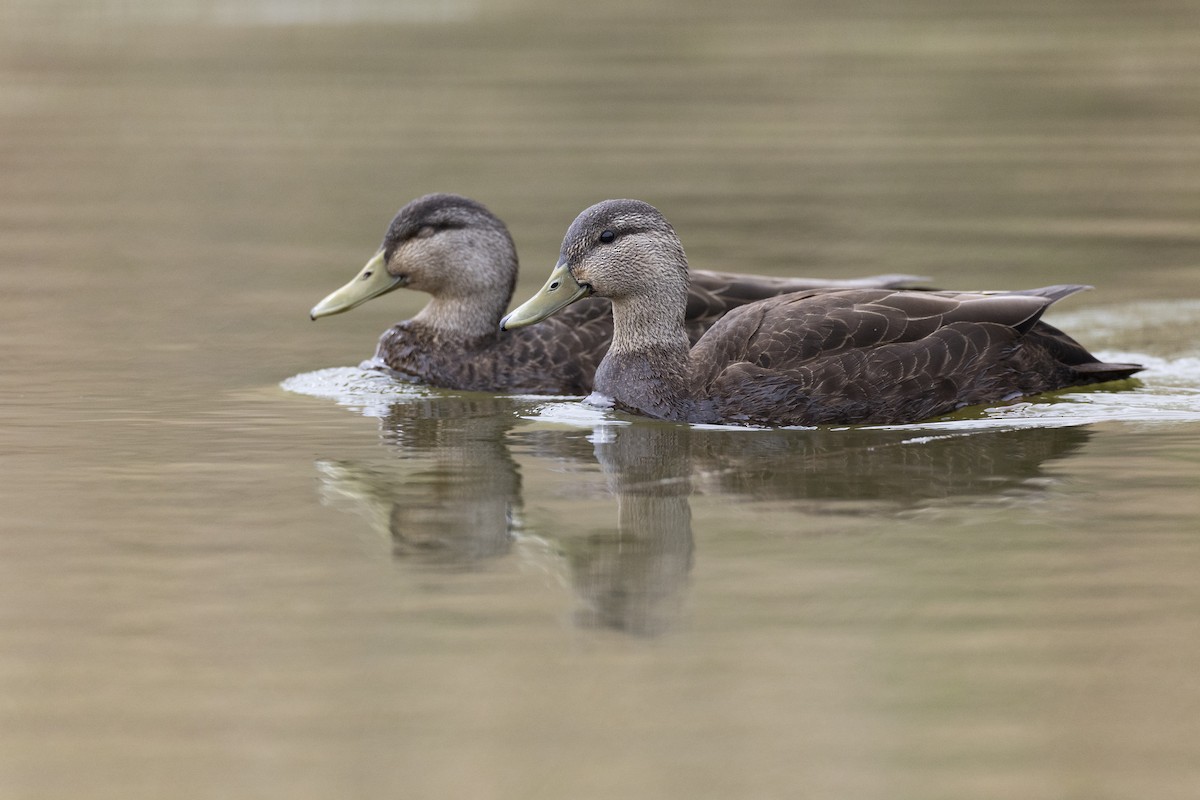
(373, 393)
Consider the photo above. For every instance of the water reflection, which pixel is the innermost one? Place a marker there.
(632, 577)
(450, 495)
(878, 470)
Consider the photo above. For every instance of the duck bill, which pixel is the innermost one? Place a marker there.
(371, 281)
(559, 292)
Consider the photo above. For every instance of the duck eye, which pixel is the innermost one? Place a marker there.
(607, 236)
(425, 231)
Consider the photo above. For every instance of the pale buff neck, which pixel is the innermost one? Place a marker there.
(642, 323)
(462, 317)
(648, 367)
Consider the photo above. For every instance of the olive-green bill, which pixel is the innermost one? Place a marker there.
(559, 292)
(371, 281)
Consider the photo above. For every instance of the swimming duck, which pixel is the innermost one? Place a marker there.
(807, 358)
(462, 255)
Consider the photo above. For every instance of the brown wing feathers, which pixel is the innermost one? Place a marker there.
(879, 356)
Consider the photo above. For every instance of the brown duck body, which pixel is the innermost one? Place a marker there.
(815, 357)
(560, 360)
(850, 357)
(462, 255)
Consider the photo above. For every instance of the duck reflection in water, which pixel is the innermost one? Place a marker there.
(632, 578)
(451, 495)
(452, 499)
(862, 470)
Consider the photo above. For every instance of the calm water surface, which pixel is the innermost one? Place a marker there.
(233, 565)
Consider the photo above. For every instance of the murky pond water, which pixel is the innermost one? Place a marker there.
(231, 564)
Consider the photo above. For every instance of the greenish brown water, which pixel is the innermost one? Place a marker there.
(231, 565)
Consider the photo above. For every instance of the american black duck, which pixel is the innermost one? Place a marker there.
(806, 358)
(461, 254)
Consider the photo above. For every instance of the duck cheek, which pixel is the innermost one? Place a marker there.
(419, 264)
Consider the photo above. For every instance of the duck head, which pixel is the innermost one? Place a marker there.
(445, 245)
(618, 249)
